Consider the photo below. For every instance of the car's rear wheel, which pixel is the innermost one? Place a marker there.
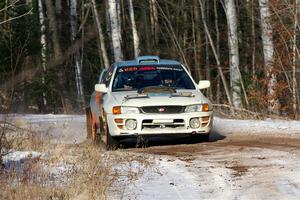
(88, 123)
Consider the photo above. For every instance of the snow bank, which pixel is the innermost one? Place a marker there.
(269, 126)
(58, 128)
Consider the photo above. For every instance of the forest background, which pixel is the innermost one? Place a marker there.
(52, 51)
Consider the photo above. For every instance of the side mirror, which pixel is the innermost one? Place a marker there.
(203, 84)
(101, 88)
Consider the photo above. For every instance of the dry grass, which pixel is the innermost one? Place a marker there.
(68, 171)
(4, 143)
(65, 172)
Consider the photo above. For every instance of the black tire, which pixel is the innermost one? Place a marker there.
(88, 123)
(200, 137)
(101, 124)
(112, 143)
(204, 137)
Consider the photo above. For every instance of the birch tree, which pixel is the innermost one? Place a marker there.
(115, 30)
(77, 57)
(100, 35)
(268, 49)
(136, 39)
(235, 79)
(43, 45)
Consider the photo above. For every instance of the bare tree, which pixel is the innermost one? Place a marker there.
(43, 45)
(9, 5)
(215, 54)
(198, 38)
(53, 29)
(218, 96)
(136, 39)
(295, 56)
(207, 46)
(100, 35)
(253, 39)
(269, 58)
(233, 44)
(154, 20)
(77, 57)
(115, 29)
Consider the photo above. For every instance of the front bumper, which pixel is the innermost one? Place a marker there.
(160, 124)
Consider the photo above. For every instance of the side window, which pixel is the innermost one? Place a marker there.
(108, 75)
(102, 76)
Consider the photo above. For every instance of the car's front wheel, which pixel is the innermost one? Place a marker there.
(112, 143)
(205, 137)
(201, 137)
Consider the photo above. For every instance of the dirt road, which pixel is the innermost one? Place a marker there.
(239, 162)
(234, 167)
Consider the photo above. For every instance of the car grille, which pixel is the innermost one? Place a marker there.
(151, 124)
(163, 109)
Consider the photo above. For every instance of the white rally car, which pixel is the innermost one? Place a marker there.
(150, 96)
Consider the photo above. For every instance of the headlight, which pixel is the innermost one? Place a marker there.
(131, 124)
(125, 110)
(194, 123)
(129, 110)
(198, 108)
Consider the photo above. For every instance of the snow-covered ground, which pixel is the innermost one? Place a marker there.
(66, 129)
(254, 127)
(246, 159)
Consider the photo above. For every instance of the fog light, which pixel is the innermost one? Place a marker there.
(205, 119)
(119, 121)
(194, 123)
(130, 124)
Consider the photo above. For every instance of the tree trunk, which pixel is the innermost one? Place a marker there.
(136, 39)
(218, 96)
(207, 49)
(100, 35)
(58, 6)
(58, 11)
(115, 30)
(78, 67)
(173, 36)
(295, 57)
(268, 49)
(198, 38)
(235, 79)
(195, 53)
(253, 39)
(215, 55)
(53, 29)
(154, 21)
(148, 42)
(43, 45)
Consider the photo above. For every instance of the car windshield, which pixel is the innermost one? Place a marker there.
(135, 78)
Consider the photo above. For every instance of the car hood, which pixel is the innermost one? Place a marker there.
(181, 97)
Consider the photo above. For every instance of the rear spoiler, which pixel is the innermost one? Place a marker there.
(147, 59)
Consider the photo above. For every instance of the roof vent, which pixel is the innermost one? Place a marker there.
(147, 59)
